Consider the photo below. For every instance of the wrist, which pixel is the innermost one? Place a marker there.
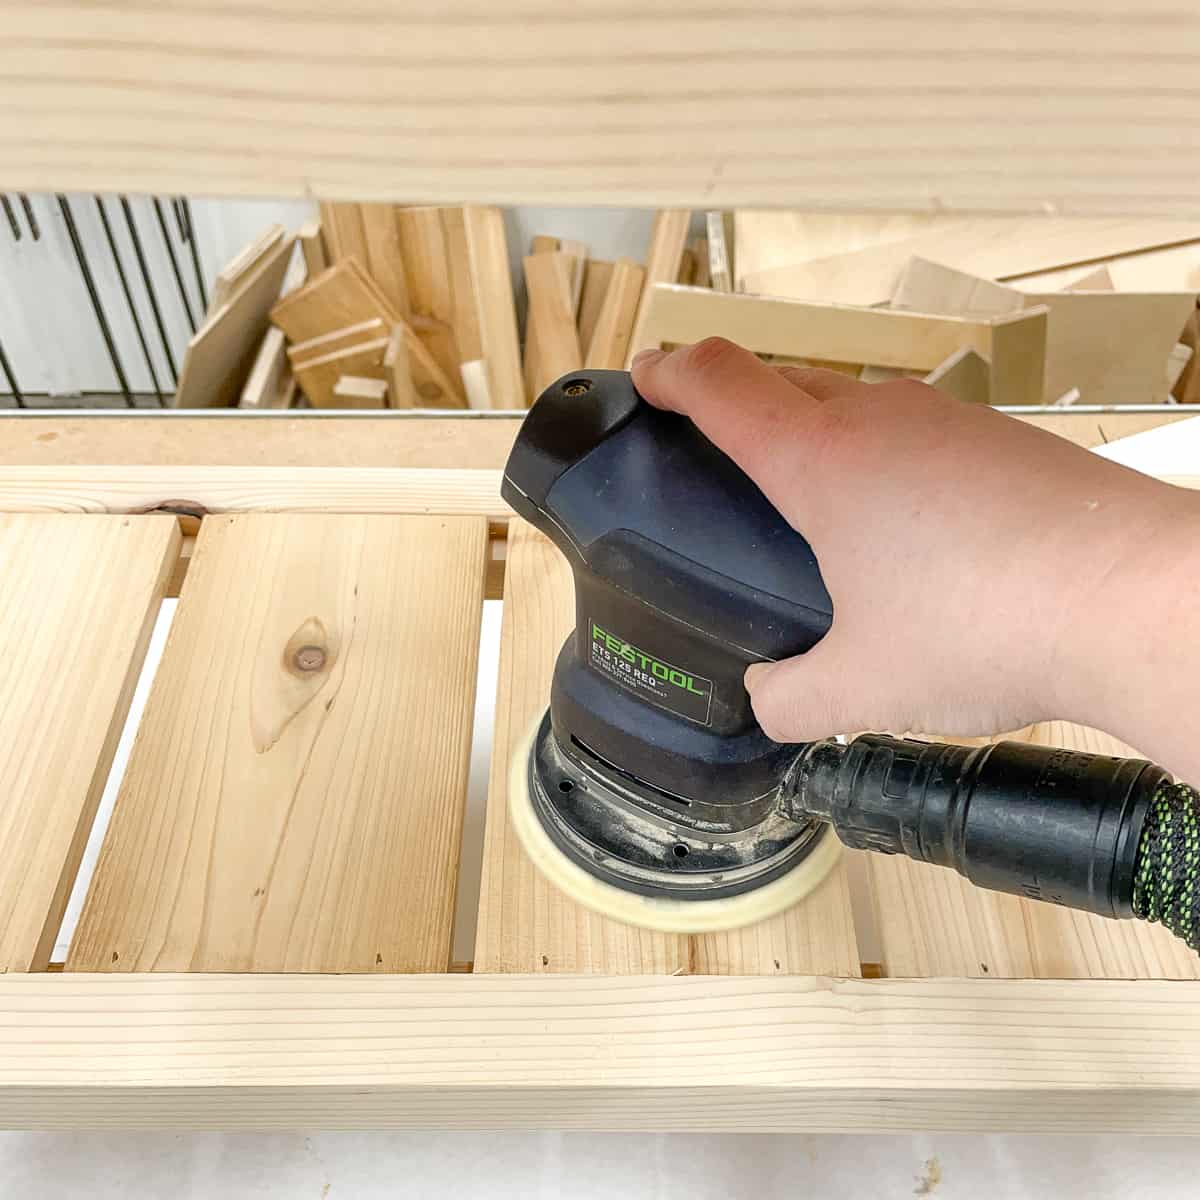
(1130, 645)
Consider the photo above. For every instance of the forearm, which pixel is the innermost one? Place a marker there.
(1138, 668)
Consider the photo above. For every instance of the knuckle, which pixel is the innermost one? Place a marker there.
(711, 353)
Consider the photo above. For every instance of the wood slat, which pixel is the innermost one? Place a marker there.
(294, 799)
(78, 598)
(437, 1051)
(299, 440)
(525, 924)
(932, 922)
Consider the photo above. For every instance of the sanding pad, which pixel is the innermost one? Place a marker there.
(664, 914)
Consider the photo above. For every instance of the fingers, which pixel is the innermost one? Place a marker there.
(813, 695)
(756, 414)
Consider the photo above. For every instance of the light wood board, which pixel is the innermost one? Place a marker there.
(238, 271)
(222, 351)
(1013, 345)
(551, 337)
(608, 346)
(496, 312)
(993, 247)
(931, 921)
(525, 924)
(731, 106)
(668, 237)
(111, 438)
(78, 599)
(526, 1052)
(294, 799)
(270, 377)
(1112, 346)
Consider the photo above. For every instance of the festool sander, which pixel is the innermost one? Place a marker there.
(648, 791)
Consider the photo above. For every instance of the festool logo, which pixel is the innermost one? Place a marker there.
(646, 662)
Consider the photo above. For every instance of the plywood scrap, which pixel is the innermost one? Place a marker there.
(431, 295)
(965, 375)
(475, 384)
(342, 226)
(221, 353)
(337, 339)
(1111, 346)
(495, 309)
(608, 346)
(270, 380)
(383, 262)
(464, 318)
(768, 238)
(400, 390)
(720, 244)
(358, 391)
(667, 240)
(318, 377)
(337, 298)
(551, 321)
(1171, 269)
(596, 277)
(312, 247)
(235, 274)
(700, 272)
(1013, 344)
(576, 253)
(992, 247)
(294, 800)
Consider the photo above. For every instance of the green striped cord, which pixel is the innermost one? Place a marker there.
(1166, 877)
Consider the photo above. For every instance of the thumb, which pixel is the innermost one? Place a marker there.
(814, 695)
(760, 418)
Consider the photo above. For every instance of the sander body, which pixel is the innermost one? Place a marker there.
(649, 792)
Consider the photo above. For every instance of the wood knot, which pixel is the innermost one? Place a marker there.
(309, 658)
(310, 652)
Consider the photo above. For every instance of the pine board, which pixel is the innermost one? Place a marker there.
(78, 599)
(525, 924)
(294, 798)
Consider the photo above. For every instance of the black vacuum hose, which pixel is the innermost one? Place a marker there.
(1106, 835)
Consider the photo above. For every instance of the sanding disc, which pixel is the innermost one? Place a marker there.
(664, 914)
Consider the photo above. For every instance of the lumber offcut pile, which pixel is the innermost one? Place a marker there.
(999, 310)
(413, 307)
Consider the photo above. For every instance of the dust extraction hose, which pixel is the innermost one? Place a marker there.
(1106, 835)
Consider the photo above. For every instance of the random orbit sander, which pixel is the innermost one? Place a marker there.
(649, 793)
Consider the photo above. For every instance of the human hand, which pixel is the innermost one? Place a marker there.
(982, 570)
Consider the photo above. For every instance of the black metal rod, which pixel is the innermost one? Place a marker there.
(12, 217)
(166, 236)
(6, 368)
(131, 225)
(133, 312)
(30, 217)
(185, 206)
(89, 282)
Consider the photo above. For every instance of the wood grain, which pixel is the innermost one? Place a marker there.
(597, 274)
(78, 600)
(270, 377)
(525, 924)
(239, 270)
(455, 440)
(413, 490)
(1014, 345)
(221, 352)
(294, 798)
(932, 922)
(552, 339)
(993, 247)
(337, 299)
(608, 346)
(381, 242)
(668, 237)
(496, 313)
(487, 1052)
(1111, 346)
